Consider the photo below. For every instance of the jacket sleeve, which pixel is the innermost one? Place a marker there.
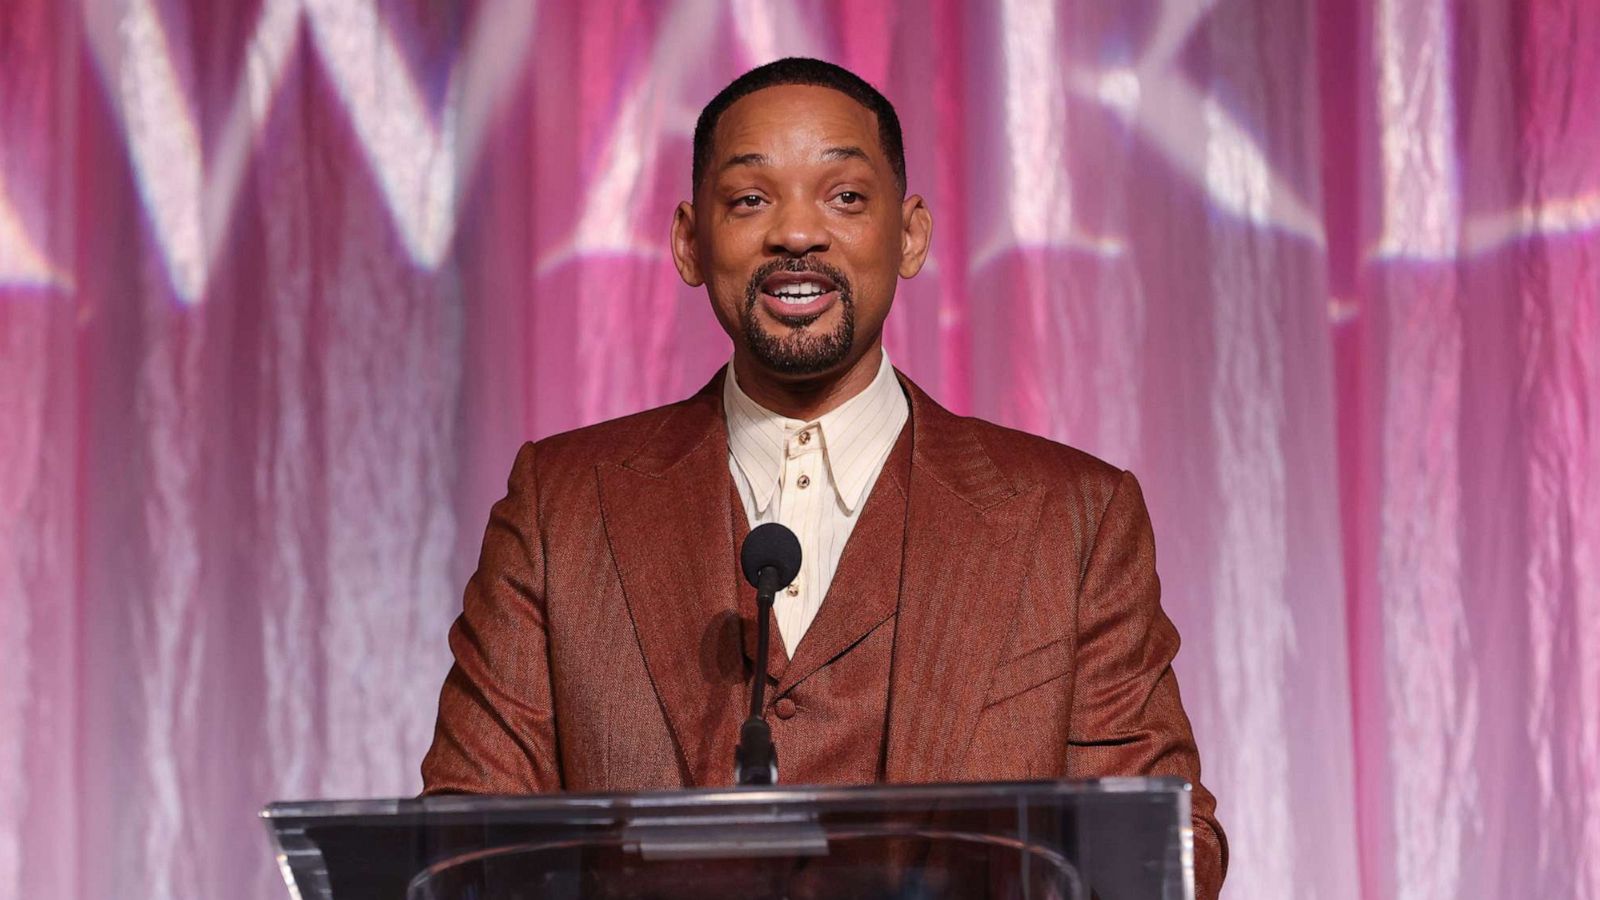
(496, 727)
(1127, 718)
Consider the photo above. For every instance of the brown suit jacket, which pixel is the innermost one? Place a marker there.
(599, 645)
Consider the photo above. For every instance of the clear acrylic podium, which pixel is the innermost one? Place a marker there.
(1111, 839)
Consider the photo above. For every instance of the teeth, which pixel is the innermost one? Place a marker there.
(800, 291)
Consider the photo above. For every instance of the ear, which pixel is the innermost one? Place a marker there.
(915, 234)
(685, 252)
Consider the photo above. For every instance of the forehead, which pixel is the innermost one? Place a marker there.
(795, 120)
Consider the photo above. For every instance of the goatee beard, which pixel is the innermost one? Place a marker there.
(799, 352)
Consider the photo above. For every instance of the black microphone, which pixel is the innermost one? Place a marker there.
(770, 559)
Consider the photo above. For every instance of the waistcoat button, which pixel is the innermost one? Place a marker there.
(784, 708)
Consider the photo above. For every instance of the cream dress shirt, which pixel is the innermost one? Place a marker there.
(813, 477)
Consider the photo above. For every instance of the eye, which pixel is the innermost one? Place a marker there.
(748, 201)
(849, 198)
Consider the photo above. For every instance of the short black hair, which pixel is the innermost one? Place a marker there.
(801, 70)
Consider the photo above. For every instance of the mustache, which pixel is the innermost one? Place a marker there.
(795, 265)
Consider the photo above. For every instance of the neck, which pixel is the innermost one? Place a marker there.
(809, 397)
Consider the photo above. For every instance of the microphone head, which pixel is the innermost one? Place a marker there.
(770, 545)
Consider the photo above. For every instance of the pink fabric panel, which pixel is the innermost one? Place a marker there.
(284, 284)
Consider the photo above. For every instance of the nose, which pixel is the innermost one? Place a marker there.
(798, 228)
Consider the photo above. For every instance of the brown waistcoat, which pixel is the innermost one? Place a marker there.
(828, 701)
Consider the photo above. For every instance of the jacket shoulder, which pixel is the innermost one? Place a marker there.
(558, 472)
(609, 441)
(1029, 460)
(640, 438)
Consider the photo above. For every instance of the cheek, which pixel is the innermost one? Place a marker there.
(729, 266)
(729, 287)
(874, 281)
(876, 262)
(727, 293)
(873, 296)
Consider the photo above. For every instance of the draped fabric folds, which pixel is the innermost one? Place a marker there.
(284, 283)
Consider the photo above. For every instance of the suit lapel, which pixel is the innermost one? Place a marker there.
(967, 536)
(678, 577)
(965, 539)
(866, 584)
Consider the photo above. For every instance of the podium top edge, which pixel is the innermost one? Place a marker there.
(781, 795)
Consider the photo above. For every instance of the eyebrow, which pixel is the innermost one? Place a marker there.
(832, 154)
(744, 159)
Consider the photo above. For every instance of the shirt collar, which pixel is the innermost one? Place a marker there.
(856, 436)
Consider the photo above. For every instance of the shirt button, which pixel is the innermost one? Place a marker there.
(794, 590)
(804, 482)
(784, 708)
(805, 437)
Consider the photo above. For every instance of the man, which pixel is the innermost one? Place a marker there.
(975, 603)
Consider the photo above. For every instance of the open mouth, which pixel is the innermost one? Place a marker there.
(798, 296)
(797, 288)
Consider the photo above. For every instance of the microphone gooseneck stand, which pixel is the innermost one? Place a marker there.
(770, 559)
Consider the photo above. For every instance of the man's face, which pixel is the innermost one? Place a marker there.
(799, 232)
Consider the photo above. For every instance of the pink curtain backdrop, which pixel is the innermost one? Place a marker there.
(284, 283)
